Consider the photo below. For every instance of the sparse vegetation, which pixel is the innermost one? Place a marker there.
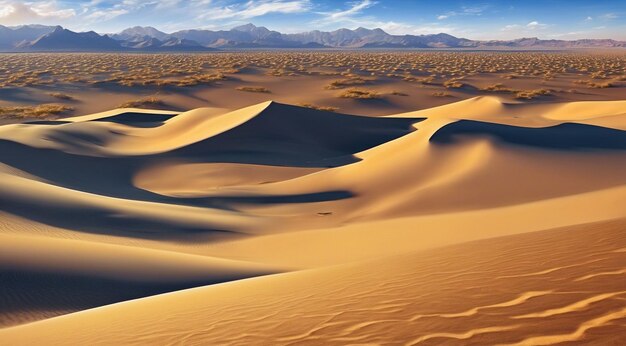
(422, 80)
(146, 102)
(39, 111)
(61, 96)
(453, 83)
(398, 93)
(497, 87)
(253, 89)
(360, 94)
(440, 94)
(519, 94)
(320, 108)
(432, 71)
(531, 94)
(343, 83)
(596, 85)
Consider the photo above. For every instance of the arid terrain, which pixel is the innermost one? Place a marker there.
(353, 82)
(313, 198)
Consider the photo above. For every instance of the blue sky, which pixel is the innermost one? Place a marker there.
(502, 19)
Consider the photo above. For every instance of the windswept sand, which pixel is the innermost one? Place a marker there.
(478, 222)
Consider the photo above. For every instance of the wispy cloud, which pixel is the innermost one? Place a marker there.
(355, 9)
(103, 15)
(256, 8)
(464, 11)
(609, 16)
(533, 28)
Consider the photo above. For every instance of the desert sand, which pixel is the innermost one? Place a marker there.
(483, 221)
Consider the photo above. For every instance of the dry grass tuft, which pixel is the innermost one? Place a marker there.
(595, 85)
(253, 89)
(61, 96)
(39, 111)
(360, 94)
(319, 108)
(422, 80)
(146, 102)
(348, 82)
(440, 94)
(497, 87)
(531, 94)
(398, 93)
(453, 83)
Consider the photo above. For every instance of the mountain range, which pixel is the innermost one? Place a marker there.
(36, 38)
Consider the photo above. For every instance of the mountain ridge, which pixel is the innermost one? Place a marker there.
(138, 38)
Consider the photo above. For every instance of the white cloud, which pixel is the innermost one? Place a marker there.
(47, 12)
(353, 17)
(356, 8)
(511, 27)
(256, 8)
(609, 16)
(531, 26)
(588, 19)
(104, 15)
(464, 11)
(349, 16)
(536, 25)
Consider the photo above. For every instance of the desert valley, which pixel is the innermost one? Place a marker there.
(347, 187)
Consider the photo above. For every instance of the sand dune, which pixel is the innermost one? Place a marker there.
(456, 295)
(476, 222)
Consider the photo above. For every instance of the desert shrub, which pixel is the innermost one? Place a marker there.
(146, 102)
(453, 83)
(343, 83)
(320, 108)
(61, 96)
(440, 94)
(592, 84)
(398, 93)
(531, 94)
(422, 80)
(39, 111)
(360, 94)
(253, 89)
(497, 87)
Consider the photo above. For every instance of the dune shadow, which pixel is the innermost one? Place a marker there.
(46, 122)
(567, 136)
(136, 119)
(19, 95)
(27, 296)
(112, 177)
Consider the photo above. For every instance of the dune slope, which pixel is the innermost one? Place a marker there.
(493, 291)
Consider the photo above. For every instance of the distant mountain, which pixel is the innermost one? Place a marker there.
(46, 38)
(140, 31)
(11, 37)
(250, 35)
(65, 40)
(536, 42)
(377, 38)
(245, 36)
(171, 44)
